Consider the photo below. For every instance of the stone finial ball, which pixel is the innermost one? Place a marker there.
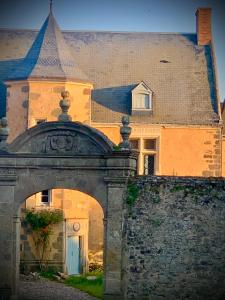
(65, 94)
(4, 122)
(125, 120)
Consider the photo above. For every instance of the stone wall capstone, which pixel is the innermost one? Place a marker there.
(174, 239)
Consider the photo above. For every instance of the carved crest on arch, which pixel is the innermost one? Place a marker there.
(65, 142)
(67, 139)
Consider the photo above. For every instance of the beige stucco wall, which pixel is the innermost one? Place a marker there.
(191, 151)
(180, 150)
(29, 101)
(223, 157)
(96, 228)
(17, 108)
(44, 100)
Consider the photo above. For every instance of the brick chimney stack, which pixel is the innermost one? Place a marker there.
(203, 20)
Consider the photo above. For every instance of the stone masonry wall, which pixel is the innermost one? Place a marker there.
(174, 239)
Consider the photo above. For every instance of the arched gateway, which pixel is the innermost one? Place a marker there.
(62, 155)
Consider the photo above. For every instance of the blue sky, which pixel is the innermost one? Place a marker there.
(121, 15)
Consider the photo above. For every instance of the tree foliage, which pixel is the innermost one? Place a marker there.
(41, 223)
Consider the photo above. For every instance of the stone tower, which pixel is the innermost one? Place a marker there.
(34, 87)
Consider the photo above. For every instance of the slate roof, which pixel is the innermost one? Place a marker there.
(48, 57)
(178, 71)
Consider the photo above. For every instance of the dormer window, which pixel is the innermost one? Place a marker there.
(141, 98)
(141, 101)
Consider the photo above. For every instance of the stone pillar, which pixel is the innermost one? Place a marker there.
(16, 254)
(113, 241)
(7, 239)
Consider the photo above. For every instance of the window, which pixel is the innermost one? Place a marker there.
(149, 164)
(150, 144)
(46, 197)
(141, 101)
(148, 159)
(141, 98)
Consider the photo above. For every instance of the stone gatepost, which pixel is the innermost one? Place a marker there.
(123, 165)
(113, 240)
(8, 268)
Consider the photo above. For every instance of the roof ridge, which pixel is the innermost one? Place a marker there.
(98, 31)
(55, 33)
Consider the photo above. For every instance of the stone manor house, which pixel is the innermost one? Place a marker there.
(165, 82)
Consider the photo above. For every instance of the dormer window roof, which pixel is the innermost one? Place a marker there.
(141, 98)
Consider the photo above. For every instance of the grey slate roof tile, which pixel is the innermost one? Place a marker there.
(178, 71)
(48, 57)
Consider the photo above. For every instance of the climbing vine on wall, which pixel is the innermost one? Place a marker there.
(132, 193)
(41, 223)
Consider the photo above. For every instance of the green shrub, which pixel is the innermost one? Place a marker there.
(41, 223)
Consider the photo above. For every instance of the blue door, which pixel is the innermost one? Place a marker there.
(73, 255)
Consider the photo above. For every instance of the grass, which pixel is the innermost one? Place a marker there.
(92, 287)
(48, 274)
(80, 282)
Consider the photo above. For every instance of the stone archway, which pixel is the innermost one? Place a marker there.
(63, 155)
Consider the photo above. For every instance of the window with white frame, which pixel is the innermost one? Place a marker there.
(148, 154)
(46, 197)
(141, 101)
(141, 98)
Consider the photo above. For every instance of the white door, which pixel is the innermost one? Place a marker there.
(73, 255)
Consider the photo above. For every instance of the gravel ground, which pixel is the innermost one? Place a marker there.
(44, 289)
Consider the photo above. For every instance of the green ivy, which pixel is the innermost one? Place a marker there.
(116, 148)
(132, 193)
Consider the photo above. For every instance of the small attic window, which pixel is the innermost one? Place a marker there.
(141, 98)
(141, 101)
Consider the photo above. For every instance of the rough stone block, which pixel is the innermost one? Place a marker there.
(25, 89)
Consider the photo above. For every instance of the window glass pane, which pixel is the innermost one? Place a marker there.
(150, 144)
(141, 101)
(146, 100)
(135, 144)
(45, 196)
(149, 162)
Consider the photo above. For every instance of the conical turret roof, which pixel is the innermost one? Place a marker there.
(49, 57)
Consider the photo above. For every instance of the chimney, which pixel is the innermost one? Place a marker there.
(203, 22)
